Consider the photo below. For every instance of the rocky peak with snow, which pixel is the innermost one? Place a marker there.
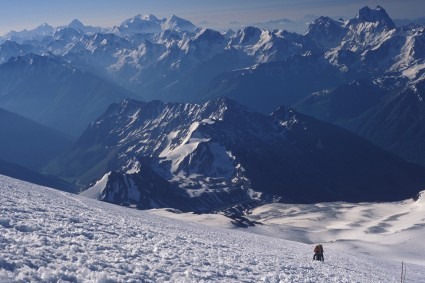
(139, 24)
(209, 35)
(39, 32)
(178, 24)
(326, 32)
(378, 16)
(220, 153)
(76, 24)
(247, 36)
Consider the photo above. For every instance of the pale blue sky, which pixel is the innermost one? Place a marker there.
(27, 14)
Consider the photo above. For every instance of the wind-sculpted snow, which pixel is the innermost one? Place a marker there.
(388, 230)
(51, 236)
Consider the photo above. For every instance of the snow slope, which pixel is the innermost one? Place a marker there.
(52, 236)
(387, 230)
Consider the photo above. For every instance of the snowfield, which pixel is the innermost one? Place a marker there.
(392, 230)
(52, 236)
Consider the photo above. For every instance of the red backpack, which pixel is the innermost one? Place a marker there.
(318, 249)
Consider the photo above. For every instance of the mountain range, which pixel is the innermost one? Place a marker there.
(171, 59)
(51, 92)
(207, 156)
(197, 150)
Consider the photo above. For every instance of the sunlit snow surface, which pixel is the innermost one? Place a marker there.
(51, 236)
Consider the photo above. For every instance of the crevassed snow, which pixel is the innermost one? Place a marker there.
(51, 236)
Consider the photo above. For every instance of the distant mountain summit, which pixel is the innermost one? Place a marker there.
(76, 24)
(377, 16)
(139, 24)
(178, 24)
(39, 32)
(149, 24)
(388, 63)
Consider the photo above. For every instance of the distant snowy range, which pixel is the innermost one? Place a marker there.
(160, 151)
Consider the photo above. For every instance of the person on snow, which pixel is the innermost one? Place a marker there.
(318, 253)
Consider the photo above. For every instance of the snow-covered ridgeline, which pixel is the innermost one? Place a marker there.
(51, 236)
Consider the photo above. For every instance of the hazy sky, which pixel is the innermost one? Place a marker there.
(27, 14)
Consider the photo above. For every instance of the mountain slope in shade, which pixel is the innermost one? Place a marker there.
(388, 111)
(220, 147)
(29, 144)
(21, 173)
(48, 90)
(9, 49)
(265, 86)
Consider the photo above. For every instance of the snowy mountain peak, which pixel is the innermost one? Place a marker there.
(326, 32)
(76, 24)
(325, 24)
(248, 35)
(178, 24)
(139, 24)
(379, 15)
(222, 104)
(209, 35)
(43, 29)
(149, 17)
(40, 31)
